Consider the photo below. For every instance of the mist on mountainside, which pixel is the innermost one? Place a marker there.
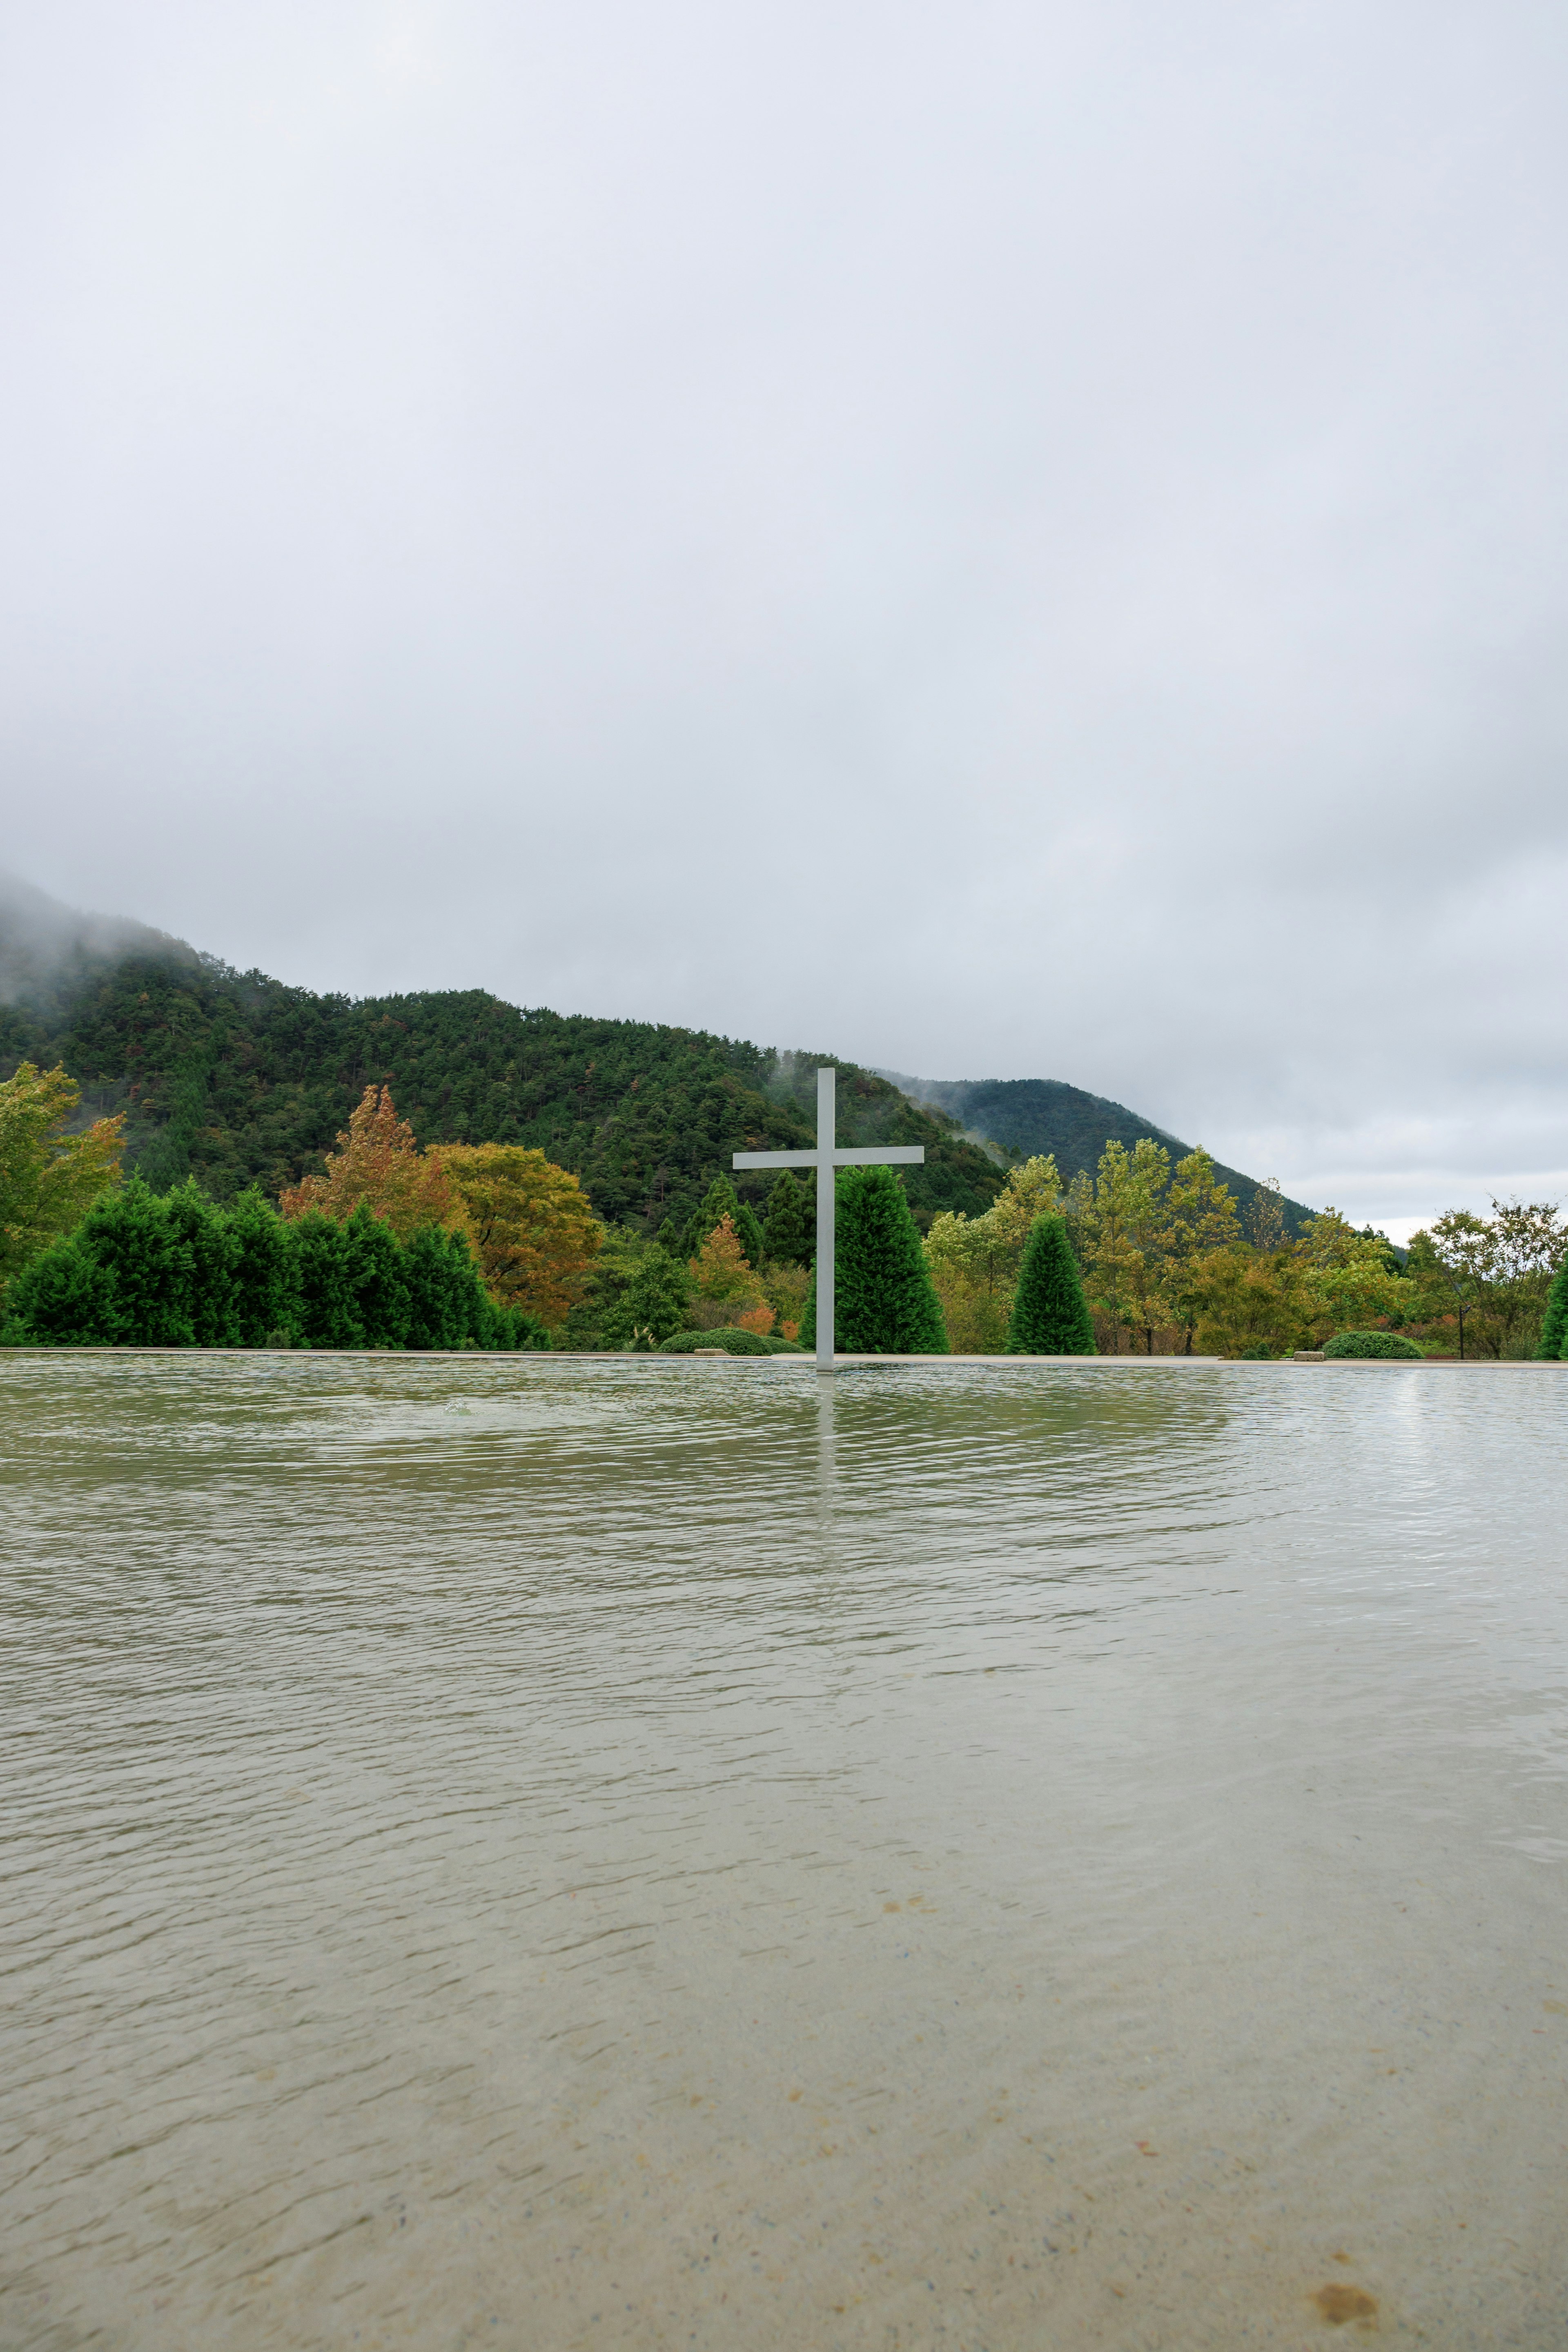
(238, 1078)
(1019, 1117)
(45, 944)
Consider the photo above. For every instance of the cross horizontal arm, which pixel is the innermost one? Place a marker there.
(901, 1155)
(775, 1160)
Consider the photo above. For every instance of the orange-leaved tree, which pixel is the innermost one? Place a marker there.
(729, 1291)
(533, 1227)
(378, 1161)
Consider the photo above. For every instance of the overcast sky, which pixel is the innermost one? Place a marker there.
(990, 539)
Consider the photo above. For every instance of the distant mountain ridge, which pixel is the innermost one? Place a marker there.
(238, 1078)
(1046, 1115)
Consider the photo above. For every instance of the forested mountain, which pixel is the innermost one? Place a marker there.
(236, 1078)
(1028, 1115)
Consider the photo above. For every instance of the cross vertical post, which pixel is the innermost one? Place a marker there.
(826, 1217)
(828, 1159)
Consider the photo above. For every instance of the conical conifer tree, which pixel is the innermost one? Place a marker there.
(790, 1229)
(885, 1302)
(1051, 1315)
(1555, 1328)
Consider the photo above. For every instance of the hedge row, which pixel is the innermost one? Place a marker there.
(177, 1271)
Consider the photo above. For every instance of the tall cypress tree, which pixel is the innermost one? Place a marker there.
(202, 1239)
(789, 1230)
(328, 1309)
(886, 1303)
(1554, 1328)
(1051, 1314)
(266, 1283)
(374, 1270)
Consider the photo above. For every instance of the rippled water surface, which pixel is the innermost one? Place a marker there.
(694, 1855)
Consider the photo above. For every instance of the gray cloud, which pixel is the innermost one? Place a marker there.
(1011, 541)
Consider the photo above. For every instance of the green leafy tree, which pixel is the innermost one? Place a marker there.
(789, 1230)
(1051, 1314)
(1529, 1245)
(653, 1307)
(1203, 1217)
(1461, 1253)
(1348, 1279)
(48, 1179)
(885, 1301)
(1125, 1235)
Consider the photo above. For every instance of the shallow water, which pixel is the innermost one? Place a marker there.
(637, 1855)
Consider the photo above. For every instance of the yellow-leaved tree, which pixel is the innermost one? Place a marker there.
(531, 1224)
(377, 1162)
(48, 1179)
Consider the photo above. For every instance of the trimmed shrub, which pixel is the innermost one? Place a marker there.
(731, 1338)
(1051, 1314)
(885, 1303)
(1387, 1345)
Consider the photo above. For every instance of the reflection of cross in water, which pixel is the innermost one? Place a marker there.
(825, 1160)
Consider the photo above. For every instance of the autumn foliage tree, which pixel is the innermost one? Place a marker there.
(726, 1287)
(48, 1179)
(532, 1227)
(378, 1162)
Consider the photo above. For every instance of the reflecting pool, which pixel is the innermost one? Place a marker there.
(690, 1854)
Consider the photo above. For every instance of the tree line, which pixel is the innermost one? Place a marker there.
(1171, 1265)
(494, 1245)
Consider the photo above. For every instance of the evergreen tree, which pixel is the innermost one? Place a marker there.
(328, 1309)
(1554, 1328)
(790, 1230)
(65, 1298)
(203, 1241)
(374, 1268)
(885, 1300)
(443, 1285)
(721, 1200)
(1051, 1315)
(145, 1292)
(266, 1302)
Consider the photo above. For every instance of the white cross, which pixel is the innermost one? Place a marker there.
(825, 1160)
